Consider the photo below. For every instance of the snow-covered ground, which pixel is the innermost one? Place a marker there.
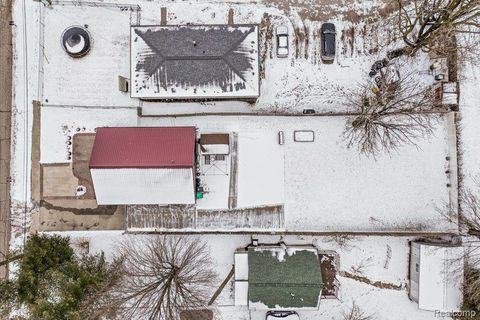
(322, 183)
(470, 119)
(288, 84)
(382, 259)
(58, 123)
(326, 183)
(92, 80)
(47, 74)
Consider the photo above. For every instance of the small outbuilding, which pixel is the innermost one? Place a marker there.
(278, 278)
(195, 62)
(436, 276)
(215, 143)
(144, 165)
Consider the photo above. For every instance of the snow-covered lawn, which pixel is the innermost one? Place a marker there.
(288, 84)
(383, 259)
(324, 185)
(470, 119)
(93, 79)
(58, 80)
(60, 122)
(327, 186)
(261, 169)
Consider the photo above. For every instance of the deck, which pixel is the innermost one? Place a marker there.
(188, 218)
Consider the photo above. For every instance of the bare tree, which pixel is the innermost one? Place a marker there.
(343, 241)
(164, 275)
(355, 313)
(468, 221)
(469, 225)
(434, 25)
(471, 289)
(361, 266)
(470, 217)
(392, 110)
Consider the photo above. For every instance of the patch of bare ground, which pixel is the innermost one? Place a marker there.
(378, 284)
(329, 273)
(322, 10)
(266, 30)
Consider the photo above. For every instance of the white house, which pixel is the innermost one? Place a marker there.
(195, 62)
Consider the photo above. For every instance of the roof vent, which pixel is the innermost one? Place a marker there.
(76, 41)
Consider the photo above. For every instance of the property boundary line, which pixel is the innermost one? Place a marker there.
(431, 234)
(122, 6)
(270, 114)
(6, 60)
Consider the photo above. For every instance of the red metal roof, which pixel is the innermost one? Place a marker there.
(144, 147)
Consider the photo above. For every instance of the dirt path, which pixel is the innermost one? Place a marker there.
(5, 126)
(378, 284)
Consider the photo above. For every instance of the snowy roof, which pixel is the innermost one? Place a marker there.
(144, 147)
(440, 277)
(283, 277)
(241, 265)
(194, 62)
(241, 293)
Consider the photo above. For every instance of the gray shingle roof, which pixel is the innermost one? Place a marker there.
(195, 61)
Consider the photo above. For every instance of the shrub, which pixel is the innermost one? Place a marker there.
(41, 254)
(55, 284)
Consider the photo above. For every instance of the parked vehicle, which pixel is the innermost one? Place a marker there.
(282, 41)
(328, 41)
(282, 315)
(308, 111)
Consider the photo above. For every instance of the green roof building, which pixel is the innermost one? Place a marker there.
(284, 278)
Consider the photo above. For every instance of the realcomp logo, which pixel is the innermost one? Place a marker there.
(455, 314)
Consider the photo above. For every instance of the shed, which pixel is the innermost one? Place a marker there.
(436, 275)
(195, 62)
(281, 278)
(144, 165)
(215, 143)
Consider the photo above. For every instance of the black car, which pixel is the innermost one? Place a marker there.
(328, 42)
(282, 315)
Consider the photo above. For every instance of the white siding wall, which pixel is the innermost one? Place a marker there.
(414, 271)
(143, 186)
